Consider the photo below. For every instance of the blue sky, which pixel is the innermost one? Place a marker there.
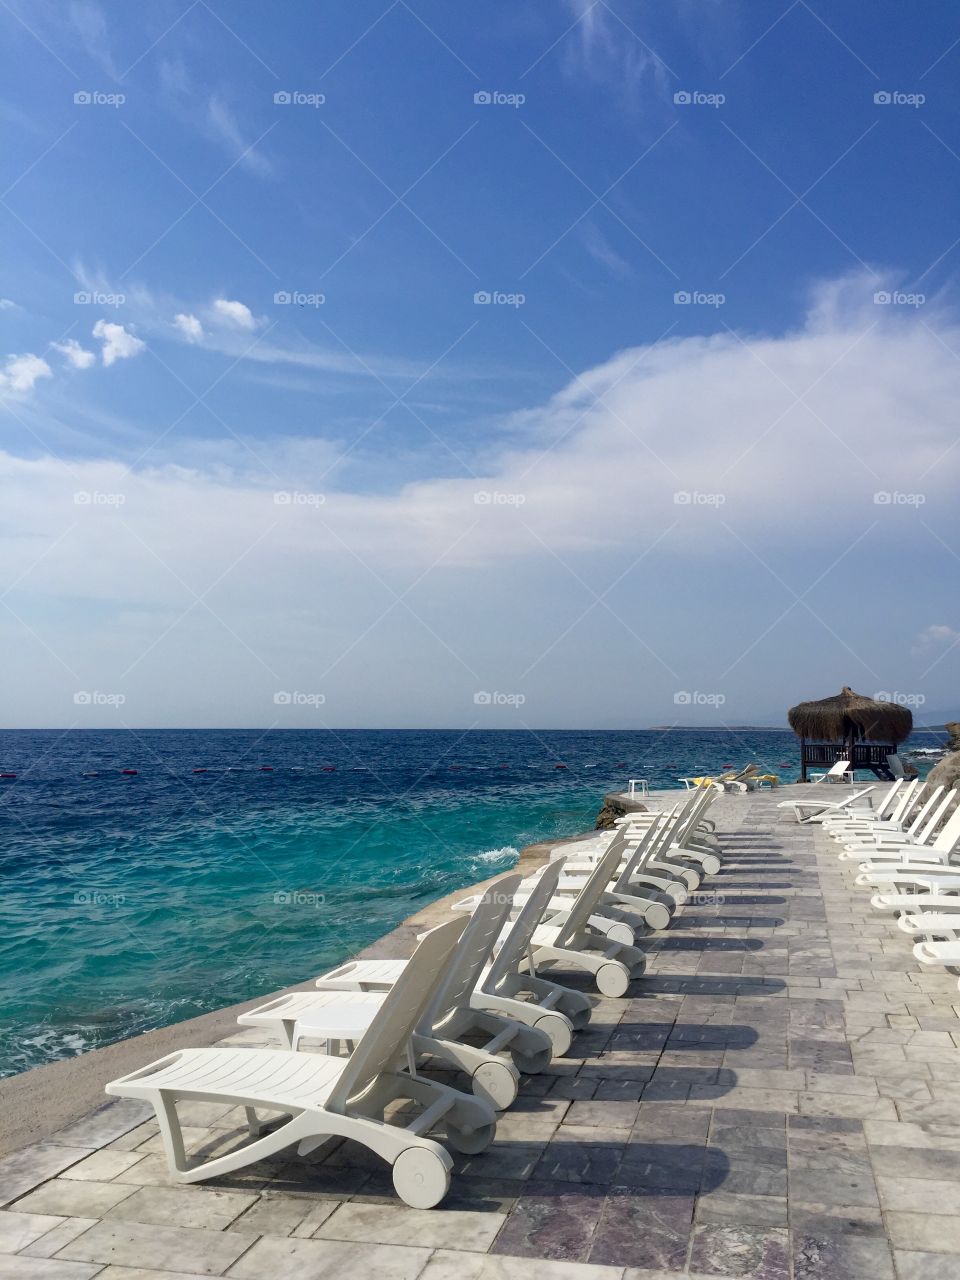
(610, 323)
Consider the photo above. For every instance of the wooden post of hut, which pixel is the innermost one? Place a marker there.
(850, 727)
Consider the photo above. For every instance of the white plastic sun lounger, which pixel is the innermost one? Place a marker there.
(895, 806)
(627, 896)
(502, 988)
(883, 839)
(571, 939)
(690, 842)
(916, 897)
(511, 986)
(839, 772)
(449, 1022)
(903, 866)
(320, 1097)
(946, 952)
(932, 924)
(817, 810)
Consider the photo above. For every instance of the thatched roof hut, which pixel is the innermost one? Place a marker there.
(850, 717)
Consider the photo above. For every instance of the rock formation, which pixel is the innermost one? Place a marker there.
(946, 772)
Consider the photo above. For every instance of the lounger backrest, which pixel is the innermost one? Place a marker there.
(517, 941)
(925, 833)
(386, 1038)
(895, 765)
(947, 840)
(586, 900)
(919, 818)
(856, 795)
(473, 951)
(906, 799)
(889, 799)
(637, 857)
(689, 822)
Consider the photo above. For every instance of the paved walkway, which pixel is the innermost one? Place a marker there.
(778, 1097)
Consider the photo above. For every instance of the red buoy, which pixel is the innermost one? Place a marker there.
(129, 772)
(7, 775)
(559, 766)
(199, 771)
(266, 768)
(329, 768)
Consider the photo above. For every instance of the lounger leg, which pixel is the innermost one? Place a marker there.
(170, 1131)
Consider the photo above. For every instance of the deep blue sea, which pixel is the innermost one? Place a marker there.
(233, 862)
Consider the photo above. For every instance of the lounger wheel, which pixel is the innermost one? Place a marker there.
(532, 1063)
(612, 979)
(656, 916)
(496, 1083)
(420, 1178)
(473, 1142)
(620, 932)
(710, 864)
(558, 1029)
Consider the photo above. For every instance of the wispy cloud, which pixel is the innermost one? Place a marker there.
(610, 52)
(189, 326)
(223, 126)
(602, 251)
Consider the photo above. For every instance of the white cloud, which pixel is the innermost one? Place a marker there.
(588, 487)
(21, 373)
(118, 343)
(7, 304)
(79, 357)
(935, 636)
(189, 326)
(236, 314)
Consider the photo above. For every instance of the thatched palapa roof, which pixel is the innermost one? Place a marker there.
(850, 715)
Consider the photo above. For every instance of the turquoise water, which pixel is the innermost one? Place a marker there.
(132, 901)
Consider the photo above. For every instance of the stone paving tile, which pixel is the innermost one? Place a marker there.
(75, 1199)
(171, 1248)
(22, 1268)
(17, 1230)
(310, 1259)
(31, 1166)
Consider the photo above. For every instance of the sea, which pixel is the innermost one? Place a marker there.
(150, 876)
